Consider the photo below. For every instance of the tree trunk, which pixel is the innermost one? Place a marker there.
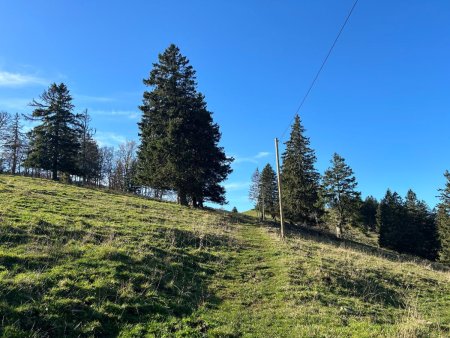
(339, 230)
(182, 198)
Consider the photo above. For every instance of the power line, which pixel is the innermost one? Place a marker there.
(321, 67)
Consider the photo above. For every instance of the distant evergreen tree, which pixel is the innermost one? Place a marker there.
(179, 141)
(419, 235)
(368, 212)
(339, 185)
(54, 145)
(269, 192)
(300, 179)
(234, 210)
(390, 218)
(407, 226)
(443, 221)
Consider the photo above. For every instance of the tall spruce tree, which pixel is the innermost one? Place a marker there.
(269, 192)
(179, 141)
(54, 145)
(339, 185)
(443, 221)
(300, 179)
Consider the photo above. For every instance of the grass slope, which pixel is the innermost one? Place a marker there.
(81, 262)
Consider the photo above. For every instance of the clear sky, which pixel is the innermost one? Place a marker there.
(382, 101)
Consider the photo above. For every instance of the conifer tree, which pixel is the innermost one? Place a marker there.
(179, 141)
(339, 185)
(419, 234)
(443, 221)
(269, 192)
(54, 145)
(368, 212)
(407, 226)
(300, 179)
(390, 218)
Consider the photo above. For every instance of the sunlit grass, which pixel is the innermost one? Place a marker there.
(83, 262)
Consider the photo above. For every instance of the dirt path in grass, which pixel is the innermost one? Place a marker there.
(254, 288)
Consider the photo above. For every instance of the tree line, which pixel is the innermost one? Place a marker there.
(85, 162)
(179, 152)
(406, 225)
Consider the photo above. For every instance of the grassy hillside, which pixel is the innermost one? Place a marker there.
(81, 262)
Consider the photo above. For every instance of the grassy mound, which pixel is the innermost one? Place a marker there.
(82, 262)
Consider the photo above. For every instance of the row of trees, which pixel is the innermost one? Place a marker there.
(305, 192)
(44, 151)
(408, 226)
(179, 150)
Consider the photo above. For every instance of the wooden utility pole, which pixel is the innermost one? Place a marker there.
(279, 189)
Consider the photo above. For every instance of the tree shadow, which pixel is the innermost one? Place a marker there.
(107, 287)
(325, 237)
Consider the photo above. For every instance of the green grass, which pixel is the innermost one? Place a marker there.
(82, 262)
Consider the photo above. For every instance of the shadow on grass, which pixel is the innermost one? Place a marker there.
(323, 236)
(108, 287)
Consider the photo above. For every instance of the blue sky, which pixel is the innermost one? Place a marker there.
(382, 101)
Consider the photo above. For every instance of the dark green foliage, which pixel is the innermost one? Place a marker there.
(407, 226)
(300, 179)
(420, 235)
(269, 192)
(390, 217)
(368, 213)
(55, 141)
(234, 210)
(339, 185)
(179, 141)
(443, 221)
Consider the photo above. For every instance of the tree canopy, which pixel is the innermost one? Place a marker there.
(179, 147)
(443, 221)
(339, 186)
(300, 179)
(54, 142)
